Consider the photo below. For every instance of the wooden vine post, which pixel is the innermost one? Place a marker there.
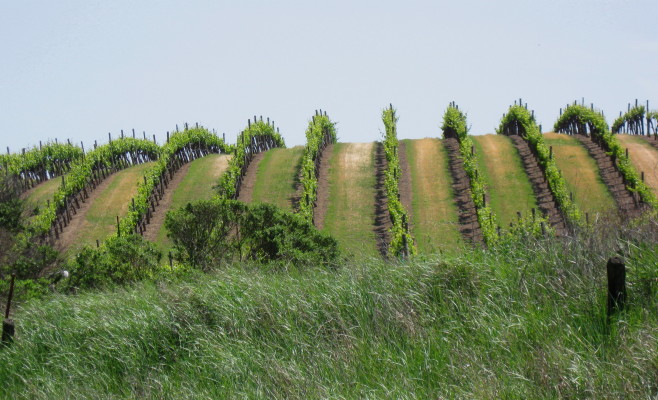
(616, 285)
(8, 328)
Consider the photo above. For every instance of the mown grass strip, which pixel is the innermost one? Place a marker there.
(351, 213)
(198, 184)
(40, 194)
(100, 220)
(644, 158)
(581, 174)
(434, 216)
(277, 177)
(509, 189)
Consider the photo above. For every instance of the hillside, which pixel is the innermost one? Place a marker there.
(581, 173)
(97, 218)
(434, 213)
(351, 213)
(508, 187)
(644, 158)
(276, 178)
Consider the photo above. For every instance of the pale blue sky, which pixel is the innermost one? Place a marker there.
(81, 69)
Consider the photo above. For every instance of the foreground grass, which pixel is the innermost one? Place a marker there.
(524, 321)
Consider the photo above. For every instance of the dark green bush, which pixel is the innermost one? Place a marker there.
(120, 260)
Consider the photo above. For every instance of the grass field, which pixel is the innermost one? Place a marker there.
(100, 220)
(508, 186)
(644, 157)
(581, 173)
(202, 175)
(276, 178)
(518, 322)
(434, 211)
(39, 195)
(351, 213)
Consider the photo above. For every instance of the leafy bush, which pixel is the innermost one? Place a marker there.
(454, 125)
(211, 232)
(402, 242)
(119, 260)
(320, 132)
(580, 119)
(518, 117)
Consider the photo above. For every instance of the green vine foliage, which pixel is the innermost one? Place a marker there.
(258, 136)
(402, 242)
(580, 119)
(454, 126)
(194, 138)
(41, 163)
(111, 154)
(320, 132)
(518, 117)
(634, 116)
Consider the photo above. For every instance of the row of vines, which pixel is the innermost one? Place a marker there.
(320, 133)
(454, 125)
(402, 243)
(577, 119)
(633, 121)
(520, 121)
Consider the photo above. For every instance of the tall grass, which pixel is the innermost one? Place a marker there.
(525, 320)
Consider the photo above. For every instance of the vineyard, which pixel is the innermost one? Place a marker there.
(388, 262)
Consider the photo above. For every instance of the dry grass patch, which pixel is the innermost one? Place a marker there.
(434, 216)
(581, 174)
(351, 213)
(643, 157)
(276, 179)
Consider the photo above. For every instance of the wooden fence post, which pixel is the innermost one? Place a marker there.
(8, 328)
(616, 284)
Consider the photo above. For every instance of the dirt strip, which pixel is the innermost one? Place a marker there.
(322, 197)
(247, 186)
(627, 204)
(469, 226)
(383, 223)
(545, 200)
(158, 217)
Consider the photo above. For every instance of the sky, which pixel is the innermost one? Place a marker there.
(80, 69)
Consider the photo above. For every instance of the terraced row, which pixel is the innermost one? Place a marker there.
(349, 214)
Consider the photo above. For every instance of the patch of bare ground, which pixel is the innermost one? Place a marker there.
(382, 225)
(247, 186)
(158, 216)
(322, 198)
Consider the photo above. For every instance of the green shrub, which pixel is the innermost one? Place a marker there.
(119, 260)
(208, 233)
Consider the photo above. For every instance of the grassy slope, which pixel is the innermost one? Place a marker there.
(39, 195)
(434, 212)
(644, 157)
(522, 322)
(351, 212)
(100, 220)
(581, 174)
(197, 184)
(508, 186)
(277, 176)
